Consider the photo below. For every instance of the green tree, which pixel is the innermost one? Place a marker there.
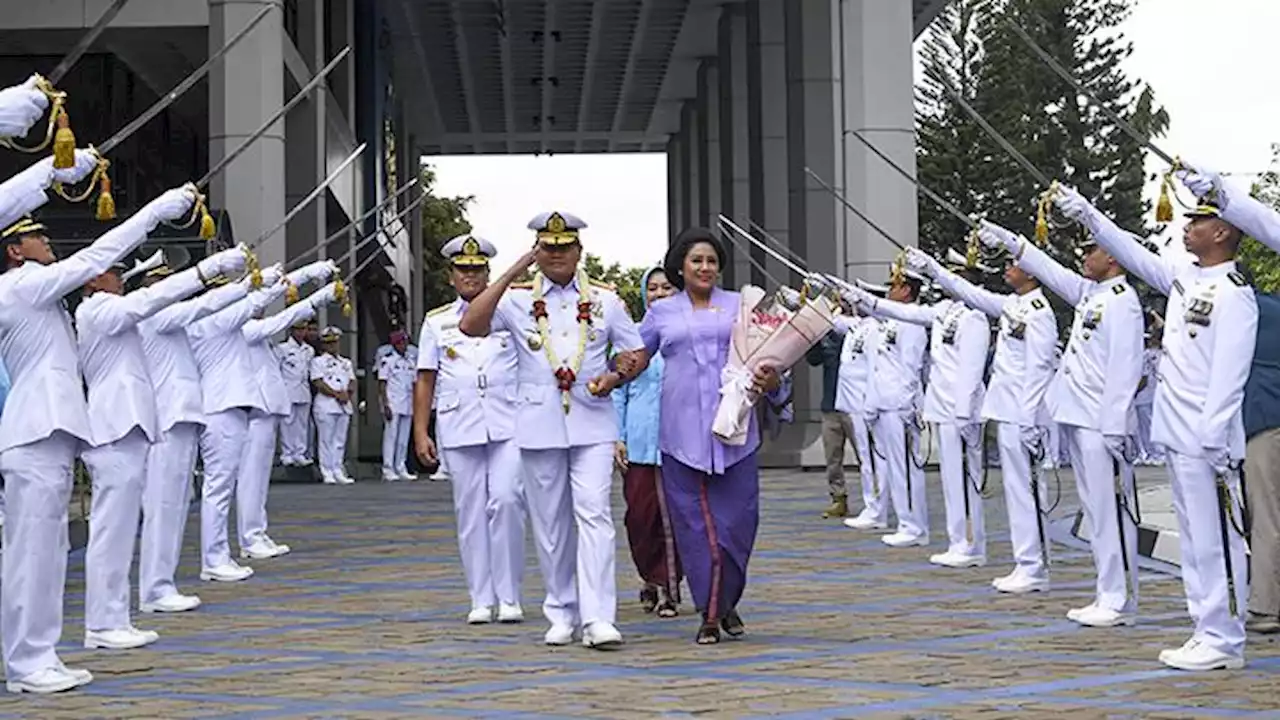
(443, 218)
(1263, 263)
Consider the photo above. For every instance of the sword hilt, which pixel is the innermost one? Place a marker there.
(57, 130)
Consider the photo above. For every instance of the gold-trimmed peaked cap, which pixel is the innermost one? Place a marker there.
(1204, 210)
(25, 225)
(557, 228)
(468, 251)
(330, 334)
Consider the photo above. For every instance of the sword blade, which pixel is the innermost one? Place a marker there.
(390, 241)
(181, 87)
(382, 231)
(310, 196)
(292, 265)
(1079, 87)
(995, 135)
(747, 252)
(85, 42)
(795, 257)
(775, 255)
(941, 201)
(853, 209)
(284, 110)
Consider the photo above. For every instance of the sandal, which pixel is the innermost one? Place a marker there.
(708, 634)
(732, 625)
(668, 609)
(649, 598)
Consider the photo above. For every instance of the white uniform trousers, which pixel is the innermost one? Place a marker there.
(960, 466)
(118, 471)
(1095, 472)
(1147, 452)
(568, 495)
(395, 444)
(255, 477)
(221, 445)
(899, 471)
(873, 504)
(166, 502)
(331, 441)
(1024, 526)
(38, 479)
(1204, 572)
(294, 437)
(488, 497)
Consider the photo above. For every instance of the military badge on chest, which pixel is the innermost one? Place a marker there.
(1199, 311)
(1015, 326)
(1092, 319)
(890, 334)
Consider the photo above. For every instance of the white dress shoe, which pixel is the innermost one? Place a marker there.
(1103, 618)
(174, 603)
(1075, 613)
(1198, 656)
(343, 478)
(559, 635)
(327, 478)
(49, 680)
(863, 522)
(122, 639)
(280, 548)
(510, 613)
(408, 476)
(958, 560)
(1169, 651)
(903, 540)
(480, 616)
(259, 550)
(601, 636)
(229, 572)
(1016, 584)
(389, 476)
(304, 462)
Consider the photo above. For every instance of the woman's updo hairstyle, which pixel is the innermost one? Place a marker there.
(673, 265)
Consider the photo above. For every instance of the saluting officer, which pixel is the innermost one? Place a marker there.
(1211, 329)
(1021, 370)
(472, 383)
(953, 401)
(563, 324)
(334, 379)
(1092, 397)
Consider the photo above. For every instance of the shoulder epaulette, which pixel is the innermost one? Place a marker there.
(440, 309)
(603, 285)
(1037, 303)
(522, 286)
(1237, 278)
(1118, 289)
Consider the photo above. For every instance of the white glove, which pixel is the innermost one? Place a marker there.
(918, 261)
(20, 107)
(173, 204)
(226, 262)
(1204, 185)
(1072, 203)
(84, 166)
(1033, 438)
(273, 275)
(971, 434)
(1116, 445)
(995, 237)
(331, 268)
(323, 296)
(1219, 459)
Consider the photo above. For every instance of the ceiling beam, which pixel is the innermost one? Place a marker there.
(411, 24)
(637, 42)
(550, 36)
(464, 67)
(588, 79)
(454, 139)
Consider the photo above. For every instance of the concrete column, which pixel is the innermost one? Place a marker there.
(702, 154)
(305, 129)
(769, 206)
(879, 102)
(714, 171)
(673, 188)
(685, 173)
(735, 138)
(417, 290)
(245, 89)
(697, 149)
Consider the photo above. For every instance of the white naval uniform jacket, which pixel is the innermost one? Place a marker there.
(476, 379)
(266, 366)
(226, 368)
(295, 369)
(337, 373)
(855, 391)
(542, 423)
(1023, 365)
(898, 366)
(38, 344)
(958, 342)
(1100, 370)
(175, 376)
(1211, 327)
(121, 393)
(398, 372)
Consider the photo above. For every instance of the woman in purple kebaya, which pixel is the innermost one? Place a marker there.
(712, 489)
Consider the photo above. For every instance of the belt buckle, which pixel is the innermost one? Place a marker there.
(482, 382)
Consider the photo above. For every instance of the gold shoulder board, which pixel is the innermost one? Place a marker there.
(522, 286)
(440, 309)
(604, 285)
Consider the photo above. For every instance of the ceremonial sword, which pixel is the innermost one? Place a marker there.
(853, 209)
(941, 201)
(346, 228)
(390, 241)
(86, 41)
(301, 205)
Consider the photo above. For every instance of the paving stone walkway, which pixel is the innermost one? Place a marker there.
(365, 620)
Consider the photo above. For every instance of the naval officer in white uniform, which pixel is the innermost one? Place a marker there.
(1092, 397)
(1021, 371)
(563, 324)
(45, 421)
(397, 371)
(471, 382)
(334, 379)
(1211, 329)
(295, 355)
(855, 392)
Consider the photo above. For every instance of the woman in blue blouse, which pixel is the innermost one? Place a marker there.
(653, 546)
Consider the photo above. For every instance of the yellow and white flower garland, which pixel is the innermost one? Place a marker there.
(544, 331)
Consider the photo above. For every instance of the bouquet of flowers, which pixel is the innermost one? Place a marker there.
(775, 330)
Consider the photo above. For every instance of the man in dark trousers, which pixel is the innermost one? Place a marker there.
(1262, 468)
(837, 429)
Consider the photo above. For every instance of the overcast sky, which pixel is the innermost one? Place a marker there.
(1211, 65)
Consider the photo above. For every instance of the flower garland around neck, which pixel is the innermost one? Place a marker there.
(565, 374)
